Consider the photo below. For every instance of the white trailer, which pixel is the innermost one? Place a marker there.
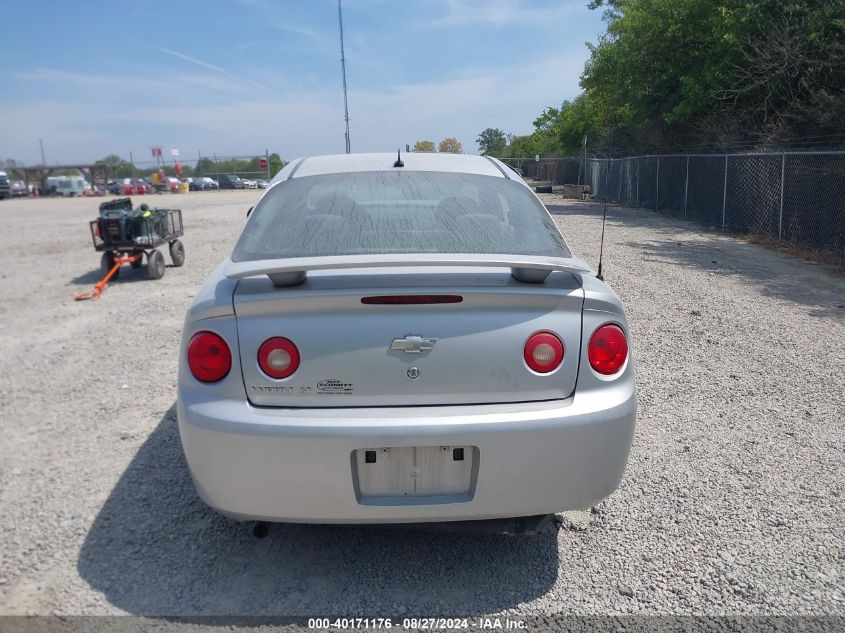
(67, 185)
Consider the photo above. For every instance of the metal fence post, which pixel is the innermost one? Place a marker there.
(638, 181)
(606, 178)
(782, 187)
(657, 187)
(725, 193)
(686, 188)
(619, 194)
(267, 161)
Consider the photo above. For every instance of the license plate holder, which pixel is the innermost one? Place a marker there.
(415, 474)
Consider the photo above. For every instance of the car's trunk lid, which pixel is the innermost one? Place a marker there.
(356, 353)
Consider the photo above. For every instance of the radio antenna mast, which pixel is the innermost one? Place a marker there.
(343, 71)
(606, 195)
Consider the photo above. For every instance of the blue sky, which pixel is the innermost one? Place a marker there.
(236, 76)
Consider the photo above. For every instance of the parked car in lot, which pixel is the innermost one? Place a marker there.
(196, 184)
(262, 184)
(18, 189)
(229, 181)
(404, 342)
(5, 188)
(133, 187)
(203, 183)
(97, 189)
(249, 184)
(173, 184)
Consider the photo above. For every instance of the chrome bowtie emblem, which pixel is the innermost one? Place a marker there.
(413, 344)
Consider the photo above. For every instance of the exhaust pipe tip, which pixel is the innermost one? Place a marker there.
(260, 530)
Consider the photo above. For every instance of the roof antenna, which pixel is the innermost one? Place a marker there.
(604, 213)
(398, 162)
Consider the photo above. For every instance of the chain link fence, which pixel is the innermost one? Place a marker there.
(793, 197)
(244, 166)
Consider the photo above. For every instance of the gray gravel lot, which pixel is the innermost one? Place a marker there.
(732, 501)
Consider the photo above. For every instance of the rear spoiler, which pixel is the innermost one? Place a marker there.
(291, 272)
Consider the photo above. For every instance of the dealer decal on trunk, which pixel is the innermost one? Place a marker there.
(334, 386)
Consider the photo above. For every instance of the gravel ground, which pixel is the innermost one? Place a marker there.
(732, 501)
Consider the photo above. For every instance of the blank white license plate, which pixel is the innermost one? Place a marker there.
(414, 471)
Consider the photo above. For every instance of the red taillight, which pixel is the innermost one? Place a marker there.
(209, 358)
(278, 357)
(543, 352)
(608, 349)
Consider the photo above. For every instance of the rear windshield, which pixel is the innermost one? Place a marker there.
(398, 212)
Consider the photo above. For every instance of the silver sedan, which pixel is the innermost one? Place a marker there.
(400, 341)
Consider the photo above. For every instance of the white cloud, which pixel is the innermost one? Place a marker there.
(188, 58)
(298, 29)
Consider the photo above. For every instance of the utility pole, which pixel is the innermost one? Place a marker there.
(343, 71)
(43, 160)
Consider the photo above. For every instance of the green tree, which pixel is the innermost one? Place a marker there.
(118, 167)
(205, 166)
(703, 74)
(491, 141)
(424, 146)
(276, 164)
(524, 146)
(674, 71)
(451, 145)
(112, 160)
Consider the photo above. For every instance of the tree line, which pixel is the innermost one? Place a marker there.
(449, 145)
(700, 75)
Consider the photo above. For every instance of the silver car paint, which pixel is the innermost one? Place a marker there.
(282, 464)
(294, 464)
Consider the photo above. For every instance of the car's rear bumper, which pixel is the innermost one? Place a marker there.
(295, 465)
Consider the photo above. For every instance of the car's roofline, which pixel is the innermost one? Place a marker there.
(412, 161)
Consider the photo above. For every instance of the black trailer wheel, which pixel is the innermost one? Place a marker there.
(155, 265)
(138, 262)
(177, 253)
(106, 264)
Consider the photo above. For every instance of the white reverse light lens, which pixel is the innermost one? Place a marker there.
(278, 359)
(543, 354)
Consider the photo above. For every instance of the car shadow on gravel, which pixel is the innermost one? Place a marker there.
(775, 274)
(657, 222)
(156, 549)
